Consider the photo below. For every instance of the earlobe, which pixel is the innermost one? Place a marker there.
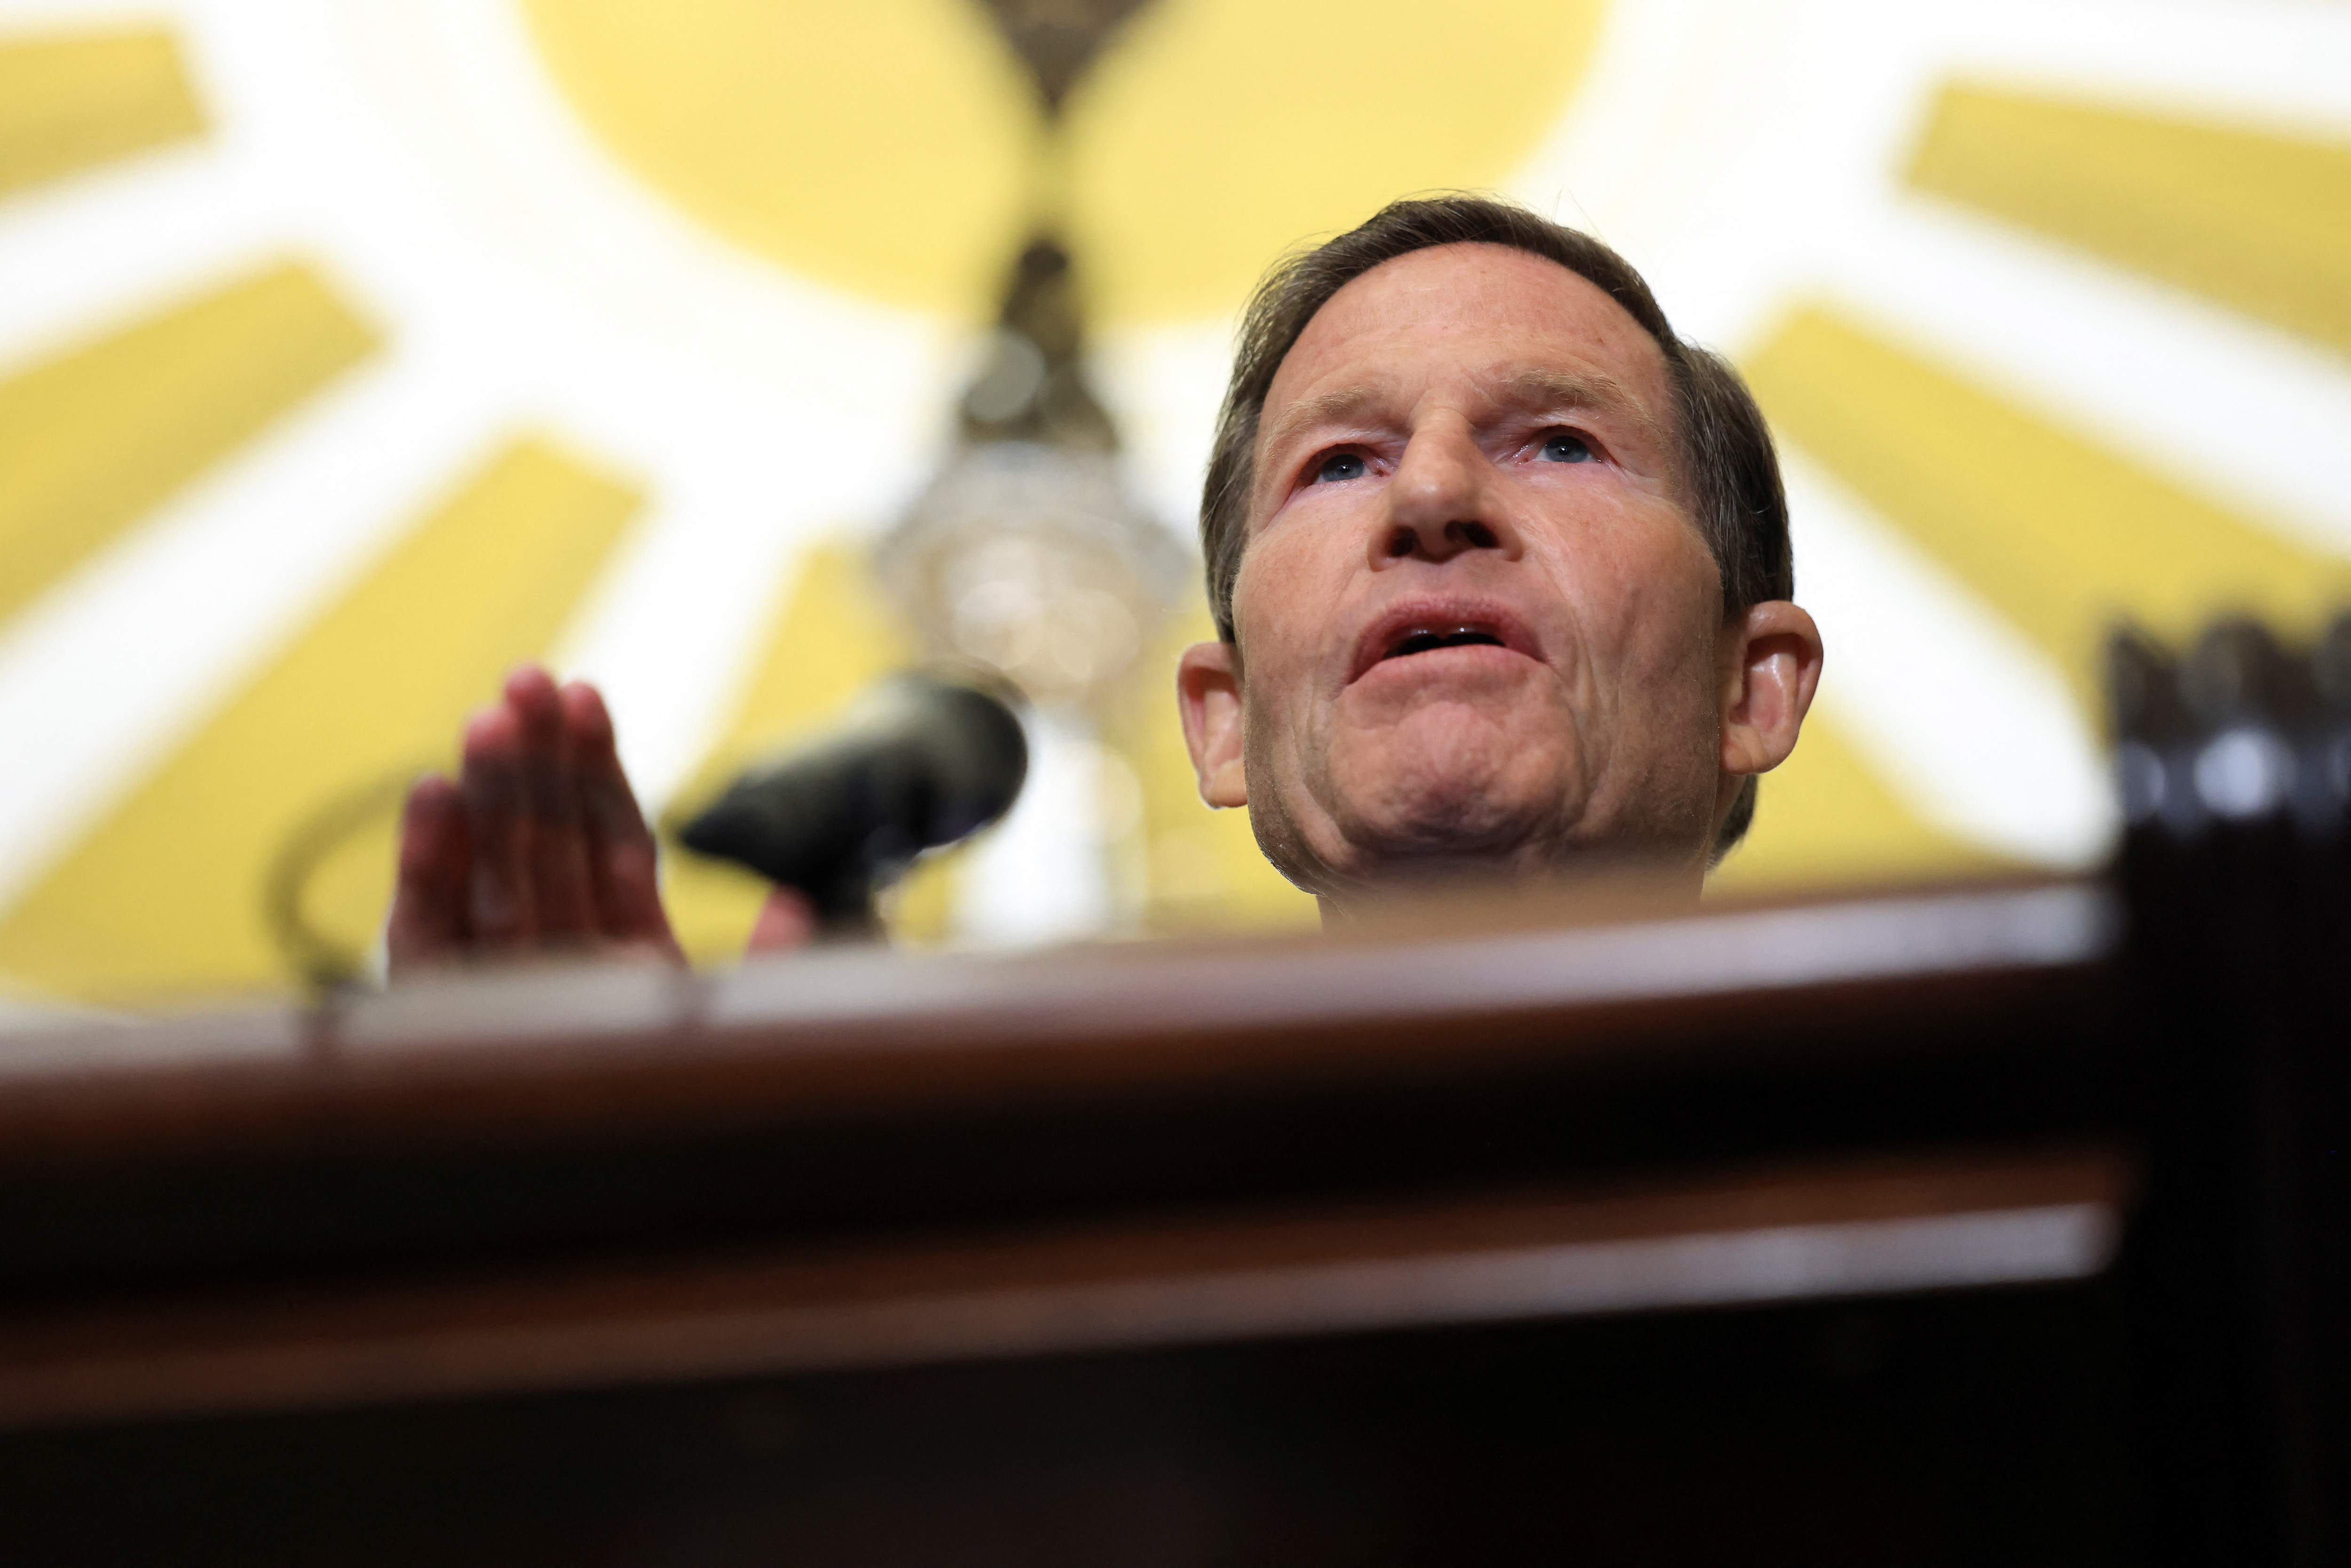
(1772, 666)
(1208, 695)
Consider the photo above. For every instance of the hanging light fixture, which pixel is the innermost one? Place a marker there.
(1026, 554)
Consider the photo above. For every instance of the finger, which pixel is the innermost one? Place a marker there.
(788, 920)
(428, 924)
(561, 903)
(621, 862)
(499, 889)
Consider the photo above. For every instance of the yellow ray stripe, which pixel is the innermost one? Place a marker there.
(831, 638)
(1824, 818)
(2259, 222)
(165, 896)
(67, 104)
(92, 439)
(2062, 536)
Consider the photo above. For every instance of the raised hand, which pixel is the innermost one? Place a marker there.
(538, 845)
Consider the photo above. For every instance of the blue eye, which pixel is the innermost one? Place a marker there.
(1340, 467)
(1561, 448)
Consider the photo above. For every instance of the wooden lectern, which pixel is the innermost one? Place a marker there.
(1982, 1224)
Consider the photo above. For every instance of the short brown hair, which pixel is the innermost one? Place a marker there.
(1732, 474)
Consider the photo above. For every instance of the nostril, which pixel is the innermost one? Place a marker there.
(1403, 541)
(1477, 536)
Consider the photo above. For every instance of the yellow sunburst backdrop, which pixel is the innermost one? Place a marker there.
(350, 353)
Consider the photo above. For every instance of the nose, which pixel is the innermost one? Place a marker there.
(1441, 502)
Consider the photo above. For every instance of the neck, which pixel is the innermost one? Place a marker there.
(1457, 891)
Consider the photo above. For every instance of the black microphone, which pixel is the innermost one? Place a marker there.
(918, 762)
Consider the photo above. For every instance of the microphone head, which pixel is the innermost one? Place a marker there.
(918, 762)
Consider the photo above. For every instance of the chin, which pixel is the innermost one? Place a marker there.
(1478, 797)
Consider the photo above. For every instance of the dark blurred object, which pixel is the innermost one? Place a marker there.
(2233, 761)
(1058, 39)
(1032, 387)
(321, 961)
(917, 763)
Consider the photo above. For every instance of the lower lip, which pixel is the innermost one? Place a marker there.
(1439, 664)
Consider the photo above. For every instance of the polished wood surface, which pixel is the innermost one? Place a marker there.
(1370, 1186)
(576, 1045)
(330, 1157)
(1834, 1230)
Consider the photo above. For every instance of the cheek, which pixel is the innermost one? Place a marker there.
(1649, 606)
(1282, 605)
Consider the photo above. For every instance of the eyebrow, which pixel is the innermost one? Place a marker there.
(1532, 387)
(1337, 406)
(1556, 389)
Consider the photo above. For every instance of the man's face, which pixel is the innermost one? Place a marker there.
(1475, 623)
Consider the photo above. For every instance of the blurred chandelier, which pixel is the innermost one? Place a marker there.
(1025, 553)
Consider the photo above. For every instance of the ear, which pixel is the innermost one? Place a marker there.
(1209, 695)
(1770, 665)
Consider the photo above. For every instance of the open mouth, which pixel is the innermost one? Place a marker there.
(1425, 623)
(1421, 641)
